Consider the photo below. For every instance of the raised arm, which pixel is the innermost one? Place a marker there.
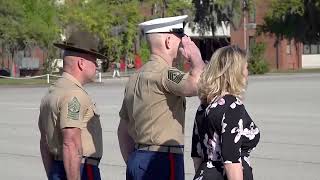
(180, 83)
(192, 54)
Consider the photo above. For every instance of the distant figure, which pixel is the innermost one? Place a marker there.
(223, 133)
(69, 123)
(116, 70)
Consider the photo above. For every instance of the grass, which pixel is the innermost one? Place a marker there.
(40, 81)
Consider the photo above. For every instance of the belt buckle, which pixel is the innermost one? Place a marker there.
(91, 161)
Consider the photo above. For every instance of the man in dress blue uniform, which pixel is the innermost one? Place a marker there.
(71, 134)
(151, 129)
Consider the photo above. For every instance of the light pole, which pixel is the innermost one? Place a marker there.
(245, 9)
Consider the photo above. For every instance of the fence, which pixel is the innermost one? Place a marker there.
(47, 76)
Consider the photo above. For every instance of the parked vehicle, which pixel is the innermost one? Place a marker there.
(4, 72)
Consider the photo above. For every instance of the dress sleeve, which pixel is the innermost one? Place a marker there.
(196, 146)
(196, 149)
(231, 134)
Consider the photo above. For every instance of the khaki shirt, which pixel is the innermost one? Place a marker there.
(67, 104)
(153, 104)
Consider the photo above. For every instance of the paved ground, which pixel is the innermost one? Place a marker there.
(285, 107)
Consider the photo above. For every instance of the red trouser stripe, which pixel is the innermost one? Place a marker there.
(172, 168)
(89, 172)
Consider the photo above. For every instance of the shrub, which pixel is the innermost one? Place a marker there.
(257, 64)
(144, 51)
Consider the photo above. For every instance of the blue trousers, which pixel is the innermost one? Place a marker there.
(148, 165)
(88, 172)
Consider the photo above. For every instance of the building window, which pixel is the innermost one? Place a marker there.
(288, 49)
(311, 48)
(252, 41)
(314, 48)
(306, 49)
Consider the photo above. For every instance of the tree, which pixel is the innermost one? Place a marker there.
(167, 8)
(27, 23)
(293, 19)
(115, 22)
(10, 30)
(209, 14)
(257, 64)
(41, 28)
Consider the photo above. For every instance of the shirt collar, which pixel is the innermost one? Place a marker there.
(72, 79)
(158, 58)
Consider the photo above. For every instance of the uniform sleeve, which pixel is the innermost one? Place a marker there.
(173, 81)
(123, 113)
(231, 134)
(72, 110)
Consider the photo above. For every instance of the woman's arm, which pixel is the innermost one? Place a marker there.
(196, 162)
(196, 150)
(234, 171)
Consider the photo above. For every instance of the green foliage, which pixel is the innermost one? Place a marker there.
(27, 23)
(24, 21)
(178, 7)
(165, 8)
(211, 13)
(11, 19)
(144, 51)
(49, 66)
(257, 63)
(293, 19)
(40, 22)
(115, 22)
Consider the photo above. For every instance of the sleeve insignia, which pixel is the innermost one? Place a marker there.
(175, 75)
(74, 109)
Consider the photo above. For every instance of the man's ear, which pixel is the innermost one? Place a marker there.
(168, 42)
(81, 64)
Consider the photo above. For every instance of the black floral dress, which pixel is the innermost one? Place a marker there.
(223, 133)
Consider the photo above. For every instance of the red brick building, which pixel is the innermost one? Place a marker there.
(28, 62)
(287, 55)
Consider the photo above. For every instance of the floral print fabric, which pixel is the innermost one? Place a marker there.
(223, 133)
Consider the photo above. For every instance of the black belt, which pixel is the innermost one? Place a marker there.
(91, 160)
(178, 149)
(85, 160)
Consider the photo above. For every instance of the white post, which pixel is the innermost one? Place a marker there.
(99, 74)
(245, 30)
(48, 78)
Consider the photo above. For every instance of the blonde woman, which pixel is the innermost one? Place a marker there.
(223, 133)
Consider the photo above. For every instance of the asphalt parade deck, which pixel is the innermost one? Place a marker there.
(286, 108)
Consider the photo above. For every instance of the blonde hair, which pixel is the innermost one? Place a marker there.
(223, 74)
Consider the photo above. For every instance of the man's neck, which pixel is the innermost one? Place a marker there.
(76, 76)
(165, 57)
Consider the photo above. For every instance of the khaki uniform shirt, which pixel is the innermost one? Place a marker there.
(153, 104)
(67, 104)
